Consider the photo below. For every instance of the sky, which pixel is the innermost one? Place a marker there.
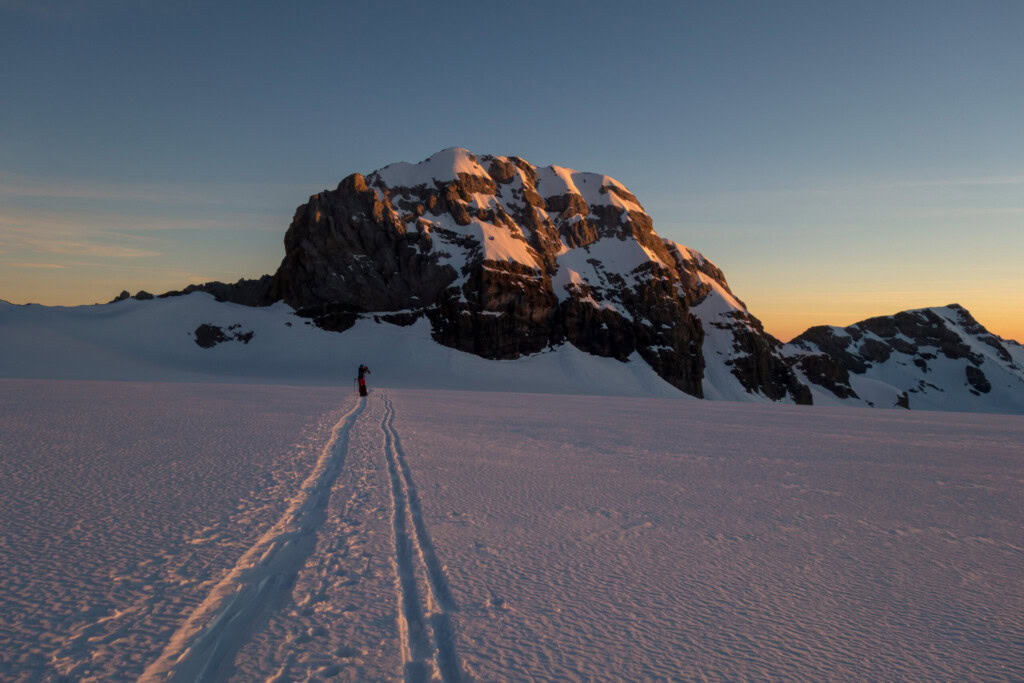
(837, 160)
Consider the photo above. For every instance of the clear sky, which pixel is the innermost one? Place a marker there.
(837, 159)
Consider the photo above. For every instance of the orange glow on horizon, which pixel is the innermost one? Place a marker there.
(786, 323)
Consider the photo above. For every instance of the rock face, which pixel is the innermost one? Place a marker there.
(246, 292)
(505, 258)
(207, 336)
(931, 358)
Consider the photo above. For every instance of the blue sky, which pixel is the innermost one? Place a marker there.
(837, 160)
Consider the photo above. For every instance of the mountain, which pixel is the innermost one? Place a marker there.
(504, 260)
(931, 358)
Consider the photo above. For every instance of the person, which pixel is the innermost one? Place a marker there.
(363, 372)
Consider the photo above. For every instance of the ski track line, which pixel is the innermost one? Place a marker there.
(418, 628)
(261, 579)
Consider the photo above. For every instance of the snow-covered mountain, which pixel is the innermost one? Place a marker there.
(505, 259)
(931, 358)
(554, 269)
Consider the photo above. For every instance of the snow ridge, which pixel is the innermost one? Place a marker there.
(442, 167)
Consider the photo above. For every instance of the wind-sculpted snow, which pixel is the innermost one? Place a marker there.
(208, 639)
(122, 504)
(648, 539)
(271, 533)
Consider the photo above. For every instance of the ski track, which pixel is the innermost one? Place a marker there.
(426, 632)
(340, 621)
(206, 642)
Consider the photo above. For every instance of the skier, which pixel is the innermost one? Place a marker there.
(363, 372)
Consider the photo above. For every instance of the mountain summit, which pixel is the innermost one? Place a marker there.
(506, 258)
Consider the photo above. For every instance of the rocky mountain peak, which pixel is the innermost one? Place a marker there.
(932, 358)
(505, 258)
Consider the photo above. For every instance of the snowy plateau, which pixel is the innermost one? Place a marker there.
(201, 531)
(192, 489)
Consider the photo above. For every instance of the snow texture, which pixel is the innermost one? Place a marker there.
(230, 532)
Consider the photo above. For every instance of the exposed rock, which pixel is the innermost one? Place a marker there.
(244, 292)
(207, 336)
(922, 327)
(876, 351)
(348, 248)
(973, 327)
(834, 343)
(976, 378)
(901, 350)
(827, 372)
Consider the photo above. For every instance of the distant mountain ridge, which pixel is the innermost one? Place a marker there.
(504, 259)
(932, 358)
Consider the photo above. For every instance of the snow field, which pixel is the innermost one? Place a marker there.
(154, 341)
(278, 533)
(260, 581)
(341, 621)
(605, 538)
(121, 504)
